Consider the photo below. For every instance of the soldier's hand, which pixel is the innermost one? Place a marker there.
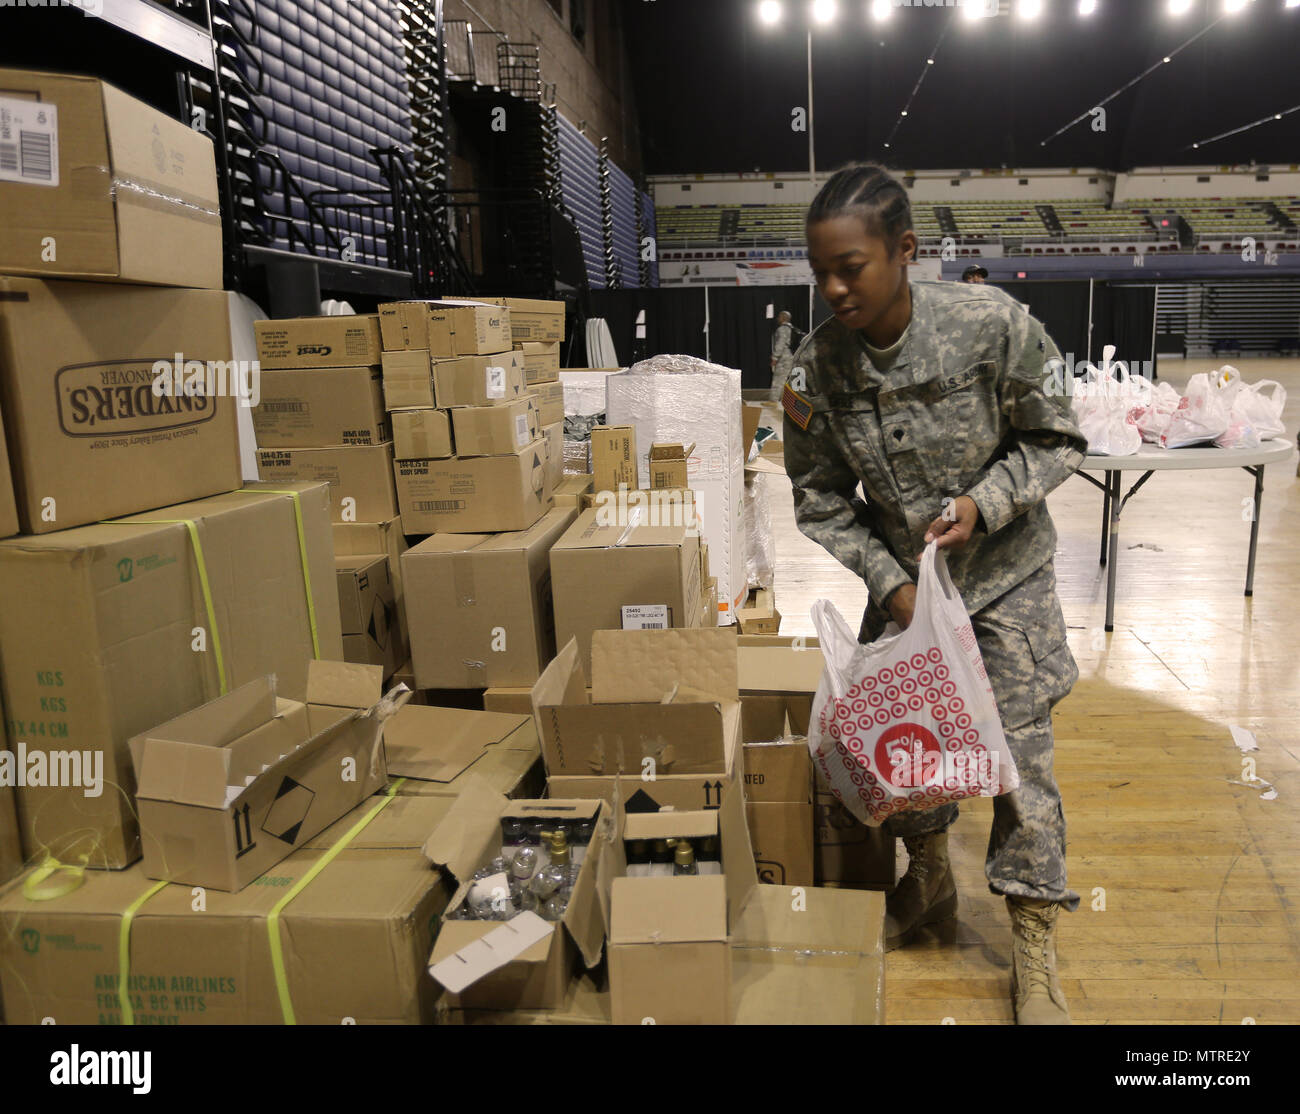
(902, 605)
(954, 527)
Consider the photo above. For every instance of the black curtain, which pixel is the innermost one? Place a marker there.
(674, 323)
(740, 330)
(1125, 317)
(1062, 307)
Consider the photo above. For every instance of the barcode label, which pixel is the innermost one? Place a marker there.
(652, 616)
(439, 506)
(496, 382)
(29, 142)
(521, 430)
(285, 407)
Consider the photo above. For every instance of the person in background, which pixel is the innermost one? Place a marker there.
(975, 273)
(932, 397)
(784, 342)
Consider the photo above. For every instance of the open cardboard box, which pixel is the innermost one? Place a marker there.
(526, 962)
(228, 790)
(437, 749)
(667, 696)
(669, 946)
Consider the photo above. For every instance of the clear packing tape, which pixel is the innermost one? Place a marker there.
(154, 198)
(760, 542)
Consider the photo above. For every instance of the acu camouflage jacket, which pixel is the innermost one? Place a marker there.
(964, 410)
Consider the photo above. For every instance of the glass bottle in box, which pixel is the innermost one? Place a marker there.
(554, 882)
(684, 858)
(583, 830)
(661, 858)
(638, 857)
(513, 837)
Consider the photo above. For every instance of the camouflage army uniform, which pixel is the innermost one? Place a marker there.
(961, 411)
(781, 344)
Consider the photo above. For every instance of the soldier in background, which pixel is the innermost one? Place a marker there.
(975, 273)
(931, 395)
(784, 341)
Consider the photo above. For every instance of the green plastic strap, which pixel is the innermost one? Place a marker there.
(273, 917)
(193, 528)
(124, 951)
(67, 877)
(302, 556)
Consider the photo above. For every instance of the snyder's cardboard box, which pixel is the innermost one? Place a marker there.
(480, 380)
(422, 434)
(586, 1003)
(321, 406)
(408, 381)
(479, 606)
(623, 577)
(318, 342)
(669, 947)
(228, 790)
(87, 437)
(526, 962)
(446, 328)
(550, 402)
(109, 630)
(759, 615)
(782, 836)
(436, 750)
(533, 320)
(664, 696)
(108, 179)
(372, 634)
(480, 495)
(360, 477)
(355, 939)
(496, 430)
(8, 506)
(613, 458)
(541, 362)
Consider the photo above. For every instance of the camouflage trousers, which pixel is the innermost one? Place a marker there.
(781, 375)
(1022, 639)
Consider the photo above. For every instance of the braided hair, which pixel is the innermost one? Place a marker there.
(867, 191)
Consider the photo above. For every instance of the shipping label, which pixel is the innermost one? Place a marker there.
(29, 142)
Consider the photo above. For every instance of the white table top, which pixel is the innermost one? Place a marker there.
(1152, 458)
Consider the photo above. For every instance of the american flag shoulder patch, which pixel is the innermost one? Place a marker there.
(798, 408)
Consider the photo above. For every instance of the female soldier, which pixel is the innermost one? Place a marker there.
(932, 396)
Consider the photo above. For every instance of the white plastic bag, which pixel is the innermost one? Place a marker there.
(1154, 417)
(1254, 416)
(1104, 404)
(908, 722)
(1201, 416)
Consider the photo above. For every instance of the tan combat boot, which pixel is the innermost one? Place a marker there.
(926, 894)
(1035, 989)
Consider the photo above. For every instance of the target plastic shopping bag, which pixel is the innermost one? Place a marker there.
(908, 722)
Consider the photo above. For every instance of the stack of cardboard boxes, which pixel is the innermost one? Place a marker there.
(321, 418)
(146, 580)
(472, 455)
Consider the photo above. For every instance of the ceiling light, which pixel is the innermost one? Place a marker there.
(1180, 7)
(1087, 7)
(1232, 6)
(1029, 9)
(769, 11)
(823, 11)
(881, 10)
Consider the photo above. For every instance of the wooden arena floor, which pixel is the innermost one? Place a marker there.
(1189, 883)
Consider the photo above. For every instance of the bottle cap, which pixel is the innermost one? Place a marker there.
(684, 855)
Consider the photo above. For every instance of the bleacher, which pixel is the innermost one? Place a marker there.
(1087, 227)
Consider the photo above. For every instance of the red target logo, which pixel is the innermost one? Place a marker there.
(906, 754)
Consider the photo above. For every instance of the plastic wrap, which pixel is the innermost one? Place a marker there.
(686, 400)
(760, 543)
